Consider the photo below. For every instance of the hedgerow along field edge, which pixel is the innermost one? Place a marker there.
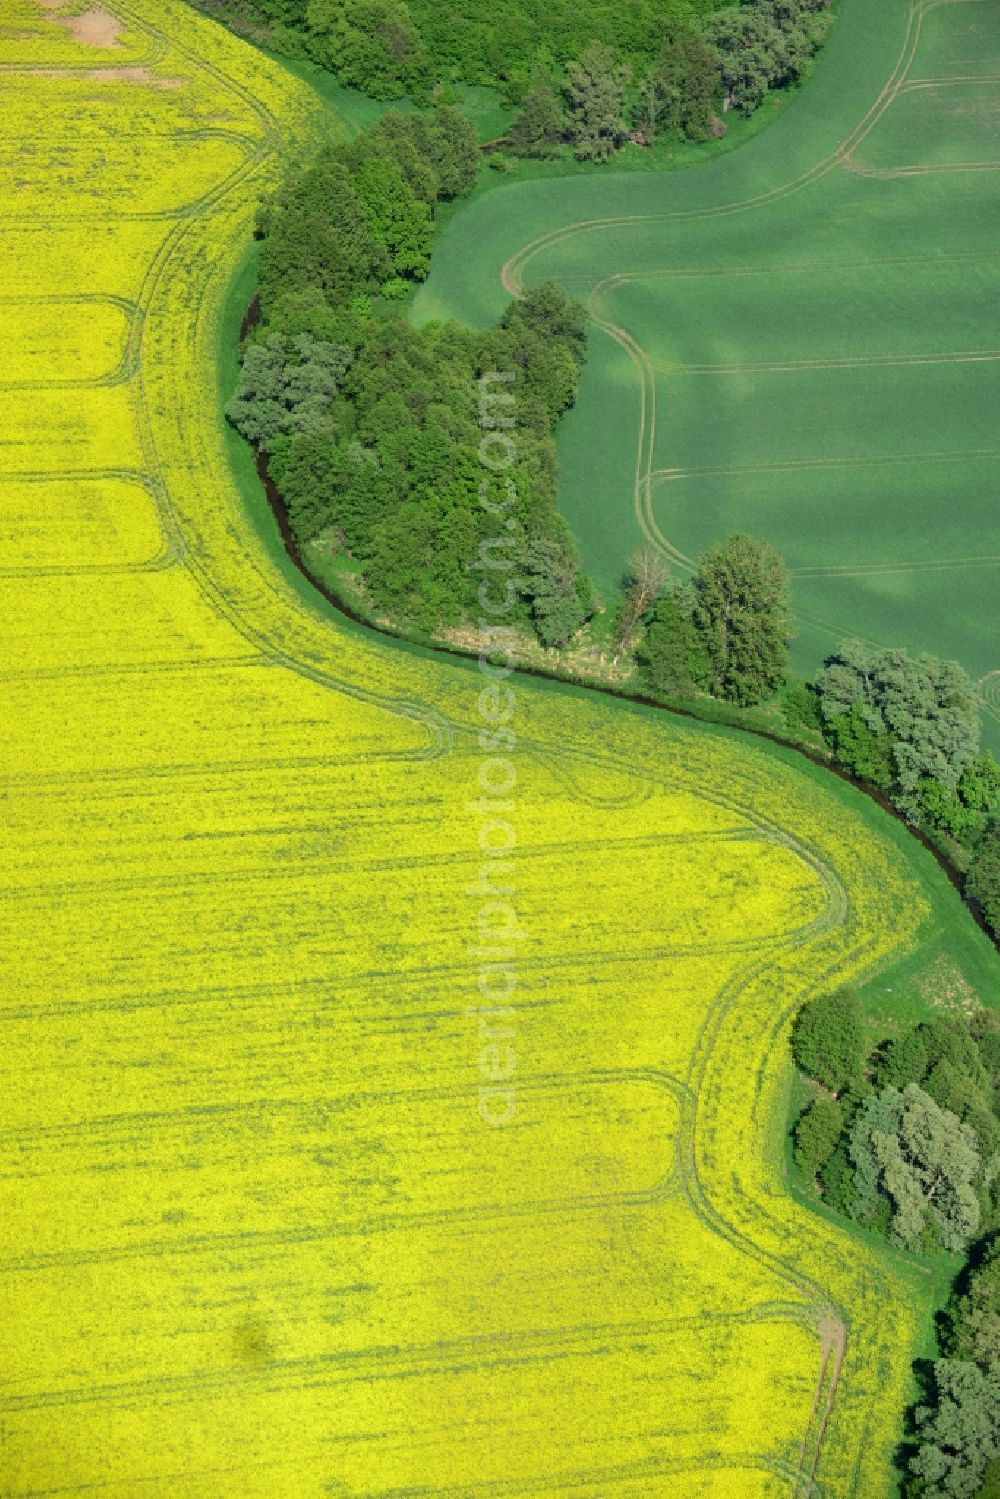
(259, 1239)
(793, 340)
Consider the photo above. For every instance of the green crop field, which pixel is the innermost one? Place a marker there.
(799, 339)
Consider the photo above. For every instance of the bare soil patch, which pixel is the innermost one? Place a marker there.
(113, 75)
(92, 28)
(132, 75)
(945, 986)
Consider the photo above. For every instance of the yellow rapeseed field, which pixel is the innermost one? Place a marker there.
(260, 1237)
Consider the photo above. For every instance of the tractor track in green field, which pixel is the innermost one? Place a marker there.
(646, 477)
(512, 273)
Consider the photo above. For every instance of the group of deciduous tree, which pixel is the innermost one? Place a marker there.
(726, 632)
(585, 72)
(905, 1138)
(359, 221)
(371, 426)
(730, 60)
(910, 727)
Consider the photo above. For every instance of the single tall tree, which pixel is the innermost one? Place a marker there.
(595, 92)
(550, 575)
(684, 87)
(646, 580)
(453, 147)
(742, 615)
(541, 123)
(671, 652)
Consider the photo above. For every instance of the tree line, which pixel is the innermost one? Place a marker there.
(729, 60)
(370, 425)
(909, 727)
(586, 73)
(904, 1137)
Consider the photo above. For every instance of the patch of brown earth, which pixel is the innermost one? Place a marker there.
(113, 75)
(92, 28)
(132, 75)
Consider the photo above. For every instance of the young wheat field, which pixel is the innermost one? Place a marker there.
(796, 340)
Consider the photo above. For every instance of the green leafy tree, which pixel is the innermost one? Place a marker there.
(862, 751)
(952, 1088)
(982, 880)
(817, 1134)
(683, 89)
(984, 1027)
(800, 704)
(949, 1038)
(671, 653)
(305, 310)
(453, 151)
(836, 1178)
(828, 1040)
(542, 340)
(595, 92)
(924, 707)
(546, 309)
(973, 1314)
(550, 574)
(287, 386)
(306, 473)
(542, 122)
(905, 1059)
(922, 1162)
(964, 812)
(958, 1435)
(979, 784)
(318, 235)
(764, 45)
(406, 138)
(399, 220)
(371, 45)
(745, 47)
(376, 442)
(943, 809)
(989, 1488)
(742, 615)
(390, 48)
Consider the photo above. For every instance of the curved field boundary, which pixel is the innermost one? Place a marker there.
(263, 154)
(646, 478)
(513, 270)
(117, 375)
